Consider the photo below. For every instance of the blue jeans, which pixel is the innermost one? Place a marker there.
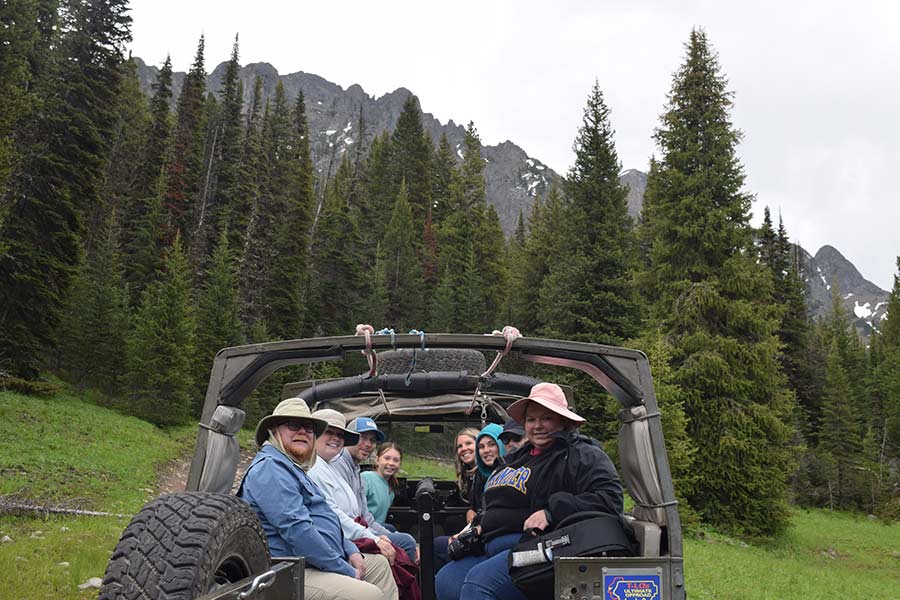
(451, 582)
(490, 580)
(405, 541)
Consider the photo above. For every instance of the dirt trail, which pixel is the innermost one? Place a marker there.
(173, 475)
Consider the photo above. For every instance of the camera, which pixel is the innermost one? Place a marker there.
(468, 543)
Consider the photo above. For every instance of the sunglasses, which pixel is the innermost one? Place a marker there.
(295, 426)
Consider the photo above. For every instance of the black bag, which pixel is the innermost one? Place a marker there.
(581, 534)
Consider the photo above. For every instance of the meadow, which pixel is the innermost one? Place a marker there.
(65, 451)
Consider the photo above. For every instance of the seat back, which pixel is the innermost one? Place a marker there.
(222, 450)
(640, 476)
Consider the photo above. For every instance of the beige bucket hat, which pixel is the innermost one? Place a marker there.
(337, 421)
(287, 410)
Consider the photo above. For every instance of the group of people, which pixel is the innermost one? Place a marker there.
(534, 472)
(306, 487)
(531, 473)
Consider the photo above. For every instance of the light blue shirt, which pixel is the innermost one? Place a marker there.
(295, 516)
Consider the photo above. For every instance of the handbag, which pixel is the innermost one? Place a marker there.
(580, 534)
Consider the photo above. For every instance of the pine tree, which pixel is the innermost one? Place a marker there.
(230, 207)
(338, 285)
(404, 282)
(61, 181)
(588, 294)
(287, 285)
(541, 245)
(218, 323)
(123, 185)
(97, 316)
(840, 438)
(184, 173)
(160, 127)
(162, 346)
(18, 38)
(713, 301)
(411, 159)
(444, 180)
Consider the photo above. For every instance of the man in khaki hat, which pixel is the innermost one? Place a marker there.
(296, 516)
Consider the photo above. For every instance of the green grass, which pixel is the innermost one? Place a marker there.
(822, 555)
(416, 467)
(63, 450)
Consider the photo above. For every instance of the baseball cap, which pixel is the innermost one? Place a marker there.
(363, 424)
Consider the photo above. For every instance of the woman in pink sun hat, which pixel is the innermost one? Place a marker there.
(556, 473)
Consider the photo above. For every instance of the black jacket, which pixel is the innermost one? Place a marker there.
(577, 476)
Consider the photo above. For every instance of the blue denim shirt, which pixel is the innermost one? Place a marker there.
(294, 513)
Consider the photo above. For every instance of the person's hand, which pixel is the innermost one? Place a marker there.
(470, 514)
(538, 520)
(387, 548)
(358, 564)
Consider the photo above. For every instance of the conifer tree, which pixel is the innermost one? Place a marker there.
(97, 316)
(588, 294)
(123, 185)
(160, 127)
(380, 193)
(338, 284)
(162, 345)
(840, 437)
(713, 301)
(230, 207)
(184, 173)
(61, 180)
(541, 245)
(287, 285)
(443, 180)
(18, 38)
(218, 323)
(403, 274)
(377, 302)
(411, 159)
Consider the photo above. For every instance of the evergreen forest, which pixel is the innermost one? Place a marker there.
(139, 235)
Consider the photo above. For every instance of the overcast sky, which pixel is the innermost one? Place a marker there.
(816, 83)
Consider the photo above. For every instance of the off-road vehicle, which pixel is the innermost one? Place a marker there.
(206, 543)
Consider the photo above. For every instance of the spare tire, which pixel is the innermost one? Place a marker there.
(184, 545)
(397, 362)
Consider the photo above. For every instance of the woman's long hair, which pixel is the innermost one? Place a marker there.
(465, 473)
(392, 481)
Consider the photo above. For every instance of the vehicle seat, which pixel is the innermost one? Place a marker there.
(222, 450)
(640, 476)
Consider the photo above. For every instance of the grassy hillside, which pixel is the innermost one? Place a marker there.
(65, 451)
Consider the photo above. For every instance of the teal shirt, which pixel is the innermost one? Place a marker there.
(378, 495)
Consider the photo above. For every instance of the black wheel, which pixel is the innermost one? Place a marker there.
(184, 545)
(436, 359)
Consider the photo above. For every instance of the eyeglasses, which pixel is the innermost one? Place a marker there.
(295, 426)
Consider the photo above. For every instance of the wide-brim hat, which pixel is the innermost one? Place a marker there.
(364, 424)
(287, 410)
(336, 420)
(548, 395)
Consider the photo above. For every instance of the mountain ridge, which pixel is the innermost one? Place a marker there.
(513, 179)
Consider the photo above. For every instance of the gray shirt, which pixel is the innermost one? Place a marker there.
(349, 470)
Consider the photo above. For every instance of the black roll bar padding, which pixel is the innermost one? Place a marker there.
(418, 383)
(426, 503)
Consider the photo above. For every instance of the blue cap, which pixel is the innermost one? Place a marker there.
(363, 424)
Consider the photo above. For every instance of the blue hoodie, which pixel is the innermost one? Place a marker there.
(492, 430)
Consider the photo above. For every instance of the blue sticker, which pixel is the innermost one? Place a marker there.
(631, 587)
